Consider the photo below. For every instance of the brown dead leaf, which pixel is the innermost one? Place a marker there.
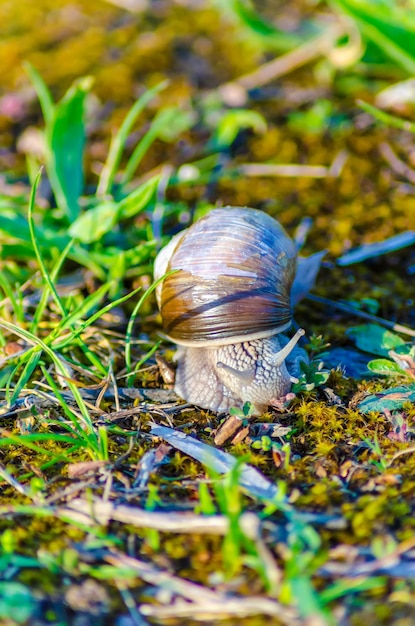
(76, 470)
(320, 470)
(379, 483)
(167, 372)
(241, 435)
(12, 347)
(226, 430)
(345, 468)
(278, 456)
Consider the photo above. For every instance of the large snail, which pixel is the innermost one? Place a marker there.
(226, 308)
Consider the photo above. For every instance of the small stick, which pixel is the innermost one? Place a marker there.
(13, 482)
(227, 607)
(399, 328)
(399, 167)
(172, 522)
(200, 600)
(288, 62)
(288, 170)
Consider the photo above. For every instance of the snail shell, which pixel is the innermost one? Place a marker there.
(236, 267)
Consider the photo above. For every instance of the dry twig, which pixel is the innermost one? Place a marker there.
(201, 602)
(85, 511)
(286, 63)
(341, 306)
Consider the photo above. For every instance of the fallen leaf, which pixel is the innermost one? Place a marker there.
(390, 399)
(255, 483)
(307, 270)
(374, 339)
(241, 435)
(371, 250)
(228, 429)
(75, 470)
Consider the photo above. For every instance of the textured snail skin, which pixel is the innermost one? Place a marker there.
(203, 377)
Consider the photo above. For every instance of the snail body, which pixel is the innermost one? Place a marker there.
(227, 306)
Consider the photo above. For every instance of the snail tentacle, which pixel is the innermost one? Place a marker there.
(280, 357)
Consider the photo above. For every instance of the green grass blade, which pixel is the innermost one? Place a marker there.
(138, 199)
(130, 325)
(42, 267)
(103, 443)
(92, 357)
(12, 295)
(88, 259)
(35, 341)
(257, 27)
(83, 429)
(33, 165)
(89, 303)
(347, 586)
(28, 442)
(388, 26)
(83, 426)
(8, 393)
(65, 135)
(32, 339)
(145, 358)
(28, 370)
(117, 144)
(138, 154)
(43, 93)
(59, 344)
(167, 125)
(46, 290)
(77, 425)
(387, 118)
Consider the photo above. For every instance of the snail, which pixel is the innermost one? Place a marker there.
(227, 306)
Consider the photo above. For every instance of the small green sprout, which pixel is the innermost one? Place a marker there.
(312, 375)
(281, 452)
(317, 344)
(243, 413)
(380, 462)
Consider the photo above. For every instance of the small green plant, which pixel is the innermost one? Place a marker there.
(238, 549)
(380, 462)
(312, 375)
(280, 451)
(387, 28)
(317, 345)
(245, 413)
(86, 227)
(229, 499)
(153, 500)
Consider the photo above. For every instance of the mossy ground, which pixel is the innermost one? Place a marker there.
(343, 466)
